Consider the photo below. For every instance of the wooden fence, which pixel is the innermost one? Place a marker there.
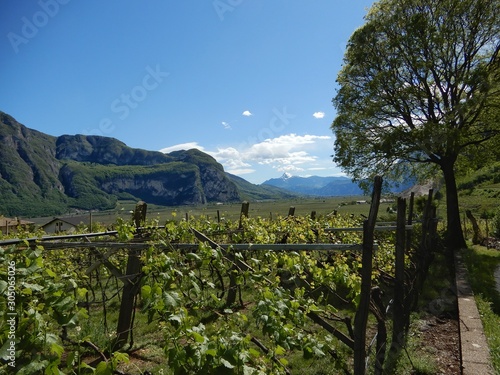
(406, 284)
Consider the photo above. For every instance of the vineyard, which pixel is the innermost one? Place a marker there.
(291, 295)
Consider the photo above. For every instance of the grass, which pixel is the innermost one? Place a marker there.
(491, 325)
(231, 211)
(146, 354)
(482, 263)
(418, 357)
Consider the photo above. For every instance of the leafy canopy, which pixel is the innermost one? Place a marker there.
(419, 85)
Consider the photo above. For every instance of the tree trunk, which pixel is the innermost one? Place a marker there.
(454, 234)
(478, 236)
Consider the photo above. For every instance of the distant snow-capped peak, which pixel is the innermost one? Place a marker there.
(286, 176)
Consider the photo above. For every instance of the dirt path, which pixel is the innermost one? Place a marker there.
(441, 339)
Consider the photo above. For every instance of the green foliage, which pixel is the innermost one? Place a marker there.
(496, 223)
(183, 291)
(42, 297)
(482, 264)
(400, 99)
(487, 175)
(184, 295)
(419, 87)
(491, 324)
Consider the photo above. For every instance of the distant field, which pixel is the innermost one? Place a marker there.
(304, 206)
(268, 209)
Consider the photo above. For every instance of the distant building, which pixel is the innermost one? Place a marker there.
(64, 224)
(9, 225)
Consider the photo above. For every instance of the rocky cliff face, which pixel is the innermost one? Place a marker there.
(217, 187)
(105, 150)
(28, 171)
(45, 175)
(165, 188)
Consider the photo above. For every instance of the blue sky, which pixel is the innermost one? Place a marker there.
(248, 81)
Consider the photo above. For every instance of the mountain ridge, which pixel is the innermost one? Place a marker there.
(42, 174)
(329, 186)
(316, 185)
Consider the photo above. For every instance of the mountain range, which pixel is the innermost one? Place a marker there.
(315, 185)
(43, 175)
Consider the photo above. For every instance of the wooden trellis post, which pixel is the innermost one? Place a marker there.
(399, 318)
(132, 283)
(244, 212)
(361, 318)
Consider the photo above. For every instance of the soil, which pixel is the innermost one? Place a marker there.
(440, 338)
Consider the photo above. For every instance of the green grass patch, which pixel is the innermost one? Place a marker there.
(231, 211)
(491, 325)
(436, 298)
(482, 263)
(438, 286)
(416, 358)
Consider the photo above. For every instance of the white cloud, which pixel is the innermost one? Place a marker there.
(282, 146)
(292, 169)
(182, 146)
(226, 125)
(317, 169)
(286, 153)
(240, 171)
(318, 115)
(232, 160)
(247, 113)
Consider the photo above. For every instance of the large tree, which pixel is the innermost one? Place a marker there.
(418, 87)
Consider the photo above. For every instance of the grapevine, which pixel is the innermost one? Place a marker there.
(184, 292)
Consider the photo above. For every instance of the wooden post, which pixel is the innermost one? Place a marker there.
(411, 292)
(291, 211)
(399, 318)
(361, 318)
(244, 212)
(409, 232)
(140, 214)
(313, 215)
(131, 287)
(427, 217)
(378, 310)
(478, 236)
(423, 252)
(218, 217)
